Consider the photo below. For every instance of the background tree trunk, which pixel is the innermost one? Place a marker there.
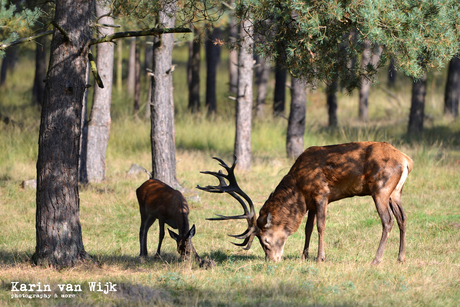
(244, 98)
(132, 67)
(371, 55)
(162, 108)
(233, 53)
(331, 98)
(137, 81)
(417, 109)
(262, 74)
(279, 97)
(212, 61)
(391, 73)
(99, 125)
(58, 230)
(194, 73)
(40, 72)
(452, 91)
(296, 124)
(120, 66)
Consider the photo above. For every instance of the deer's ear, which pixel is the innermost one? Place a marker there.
(191, 232)
(268, 220)
(173, 235)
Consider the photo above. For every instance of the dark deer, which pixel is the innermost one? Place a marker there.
(159, 201)
(319, 176)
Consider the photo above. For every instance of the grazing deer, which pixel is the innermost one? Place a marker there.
(321, 175)
(159, 201)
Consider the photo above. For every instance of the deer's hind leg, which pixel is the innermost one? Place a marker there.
(308, 231)
(398, 212)
(146, 222)
(382, 203)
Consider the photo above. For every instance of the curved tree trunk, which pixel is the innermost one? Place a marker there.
(417, 109)
(244, 98)
(99, 125)
(162, 106)
(58, 230)
(296, 124)
(452, 91)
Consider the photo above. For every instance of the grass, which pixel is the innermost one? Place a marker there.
(110, 219)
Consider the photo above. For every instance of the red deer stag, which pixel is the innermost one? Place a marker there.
(319, 176)
(159, 201)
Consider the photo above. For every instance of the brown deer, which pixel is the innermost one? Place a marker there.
(159, 201)
(321, 175)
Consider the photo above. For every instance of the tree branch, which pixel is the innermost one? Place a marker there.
(154, 31)
(63, 32)
(94, 70)
(25, 39)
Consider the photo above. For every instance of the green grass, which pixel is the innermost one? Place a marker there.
(110, 219)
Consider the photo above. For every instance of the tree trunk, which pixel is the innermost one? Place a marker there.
(233, 53)
(194, 74)
(120, 66)
(371, 55)
(262, 73)
(417, 109)
(132, 67)
(212, 61)
(296, 124)
(83, 172)
(244, 98)
(392, 73)
(279, 99)
(40, 72)
(58, 230)
(137, 81)
(452, 91)
(99, 125)
(162, 108)
(331, 97)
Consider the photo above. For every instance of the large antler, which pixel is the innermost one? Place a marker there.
(234, 190)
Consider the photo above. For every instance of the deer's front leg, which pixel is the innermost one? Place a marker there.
(321, 225)
(308, 231)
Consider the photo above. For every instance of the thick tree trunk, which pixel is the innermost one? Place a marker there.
(40, 72)
(233, 53)
(417, 109)
(244, 98)
(99, 125)
(331, 98)
(162, 107)
(279, 97)
(58, 230)
(212, 61)
(452, 91)
(262, 73)
(194, 73)
(296, 124)
(132, 67)
(371, 55)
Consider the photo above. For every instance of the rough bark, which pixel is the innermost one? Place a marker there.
(99, 125)
(417, 109)
(194, 73)
(212, 61)
(296, 124)
(40, 72)
(244, 98)
(452, 91)
(58, 230)
(262, 73)
(162, 108)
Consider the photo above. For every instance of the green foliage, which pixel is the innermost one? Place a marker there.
(317, 36)
(13, 22)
